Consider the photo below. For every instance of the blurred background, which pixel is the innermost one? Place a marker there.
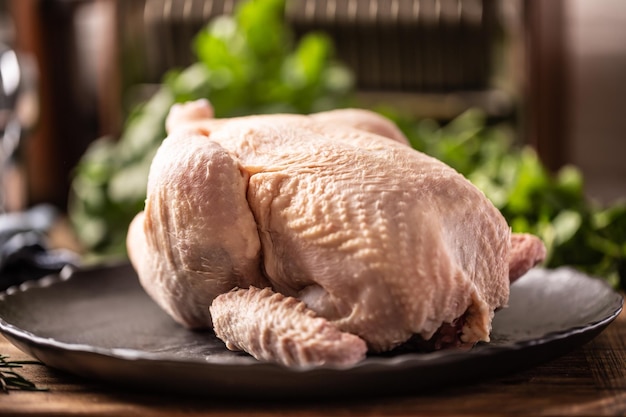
(553, 73)
(557, 69)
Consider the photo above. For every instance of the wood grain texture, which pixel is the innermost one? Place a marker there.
(588, 381)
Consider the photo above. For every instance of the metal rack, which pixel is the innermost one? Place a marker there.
(393, 46)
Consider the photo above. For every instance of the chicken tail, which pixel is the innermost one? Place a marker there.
(526, 252)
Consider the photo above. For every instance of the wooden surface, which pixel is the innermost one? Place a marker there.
(589, 381)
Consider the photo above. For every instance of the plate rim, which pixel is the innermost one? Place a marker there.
(250, 380)
(379, 363)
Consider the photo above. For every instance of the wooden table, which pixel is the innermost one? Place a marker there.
(589, 381)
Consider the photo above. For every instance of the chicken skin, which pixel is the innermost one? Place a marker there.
(311, 240)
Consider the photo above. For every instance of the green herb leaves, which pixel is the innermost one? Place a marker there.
(247, 63)
(250, 63)
(10, 380)
(576, 231)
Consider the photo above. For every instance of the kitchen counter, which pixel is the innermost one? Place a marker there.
(590, 380)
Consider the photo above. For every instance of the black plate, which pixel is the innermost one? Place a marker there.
(99, 323)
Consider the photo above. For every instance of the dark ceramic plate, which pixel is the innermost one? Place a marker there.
(99, 323)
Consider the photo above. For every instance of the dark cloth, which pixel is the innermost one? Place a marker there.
(24, 254)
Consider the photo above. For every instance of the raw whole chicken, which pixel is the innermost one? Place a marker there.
(312, 240)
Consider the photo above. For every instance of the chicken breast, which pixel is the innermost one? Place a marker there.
(334, 212)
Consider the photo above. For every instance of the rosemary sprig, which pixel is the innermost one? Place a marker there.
(10, 380)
